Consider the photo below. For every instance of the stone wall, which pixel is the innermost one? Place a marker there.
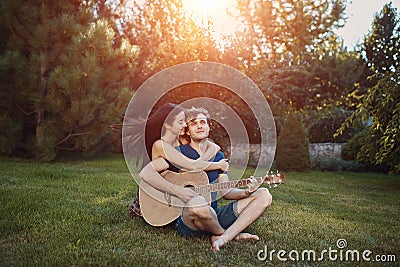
(242, 152)
(326, 150)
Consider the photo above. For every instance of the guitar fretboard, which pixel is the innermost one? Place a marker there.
(232, 184)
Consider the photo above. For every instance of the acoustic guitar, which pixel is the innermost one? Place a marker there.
(159, 208)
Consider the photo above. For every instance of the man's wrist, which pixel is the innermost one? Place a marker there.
(247, 193)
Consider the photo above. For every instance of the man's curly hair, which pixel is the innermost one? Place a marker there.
(192, 113)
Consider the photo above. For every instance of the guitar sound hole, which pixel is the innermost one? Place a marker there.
(189, 186)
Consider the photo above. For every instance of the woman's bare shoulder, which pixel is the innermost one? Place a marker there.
(157, 147)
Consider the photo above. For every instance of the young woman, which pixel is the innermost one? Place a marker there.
(163, 131)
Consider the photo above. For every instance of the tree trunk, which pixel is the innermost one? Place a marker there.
(39, 133)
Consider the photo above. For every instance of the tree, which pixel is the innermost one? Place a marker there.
(273, 47)
(166, 37)
(62, 80)
(323, 124)
(277, 45)
(380, 104)
(292, 152)
(381, 45)
(337, 73)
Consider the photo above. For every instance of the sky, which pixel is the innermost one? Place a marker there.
(360, 15)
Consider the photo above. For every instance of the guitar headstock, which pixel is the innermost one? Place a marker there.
(273, 179)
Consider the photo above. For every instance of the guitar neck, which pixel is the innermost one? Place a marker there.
(269, 179)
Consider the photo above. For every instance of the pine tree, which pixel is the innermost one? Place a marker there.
(292, 152)
(61, 79)
(381, 46)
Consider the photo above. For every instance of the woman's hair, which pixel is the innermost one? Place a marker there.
(154, 124)
(139, 135)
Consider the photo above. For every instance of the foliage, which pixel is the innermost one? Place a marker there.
(166, 37)
(354, 150)
(277, 43)
(292, 151)
(66, 67)
(273, 46)
(380, 104)
(381, 45)
(284, 32)
(322, 125)
(62, 80)
(336, 164)
(74, 212)
(337, 73)
(353, 146)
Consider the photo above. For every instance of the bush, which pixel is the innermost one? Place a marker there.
(353, 146)
(353, 151)
(322, 125)
(336, 164)
(292, 152)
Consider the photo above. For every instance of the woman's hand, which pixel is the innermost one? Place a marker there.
(224, 165)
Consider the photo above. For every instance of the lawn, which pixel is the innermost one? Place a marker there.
(75, 212)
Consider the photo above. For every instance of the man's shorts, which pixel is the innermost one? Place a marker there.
(227, 215)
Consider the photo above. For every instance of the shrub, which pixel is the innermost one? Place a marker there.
(292, 152)
(353, 151)
(322, 125)
(353, 146)
(336, 164)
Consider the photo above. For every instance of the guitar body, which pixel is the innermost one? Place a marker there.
(159, 209)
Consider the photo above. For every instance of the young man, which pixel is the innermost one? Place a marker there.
(198, 218)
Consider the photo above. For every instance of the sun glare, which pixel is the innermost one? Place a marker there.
(213, 14)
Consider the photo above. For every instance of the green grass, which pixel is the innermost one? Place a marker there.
(75, 212)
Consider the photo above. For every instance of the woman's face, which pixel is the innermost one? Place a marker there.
(178, 124)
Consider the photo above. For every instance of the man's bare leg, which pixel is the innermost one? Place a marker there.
(249, 210)
(198, 214)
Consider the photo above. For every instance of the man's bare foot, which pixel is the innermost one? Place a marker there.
(217, 242)
(246, 236)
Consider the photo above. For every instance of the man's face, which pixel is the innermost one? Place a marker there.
(198, 127)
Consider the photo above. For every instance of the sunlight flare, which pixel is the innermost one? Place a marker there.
(215, 15)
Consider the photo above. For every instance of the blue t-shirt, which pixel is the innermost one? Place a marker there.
(190, 152)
